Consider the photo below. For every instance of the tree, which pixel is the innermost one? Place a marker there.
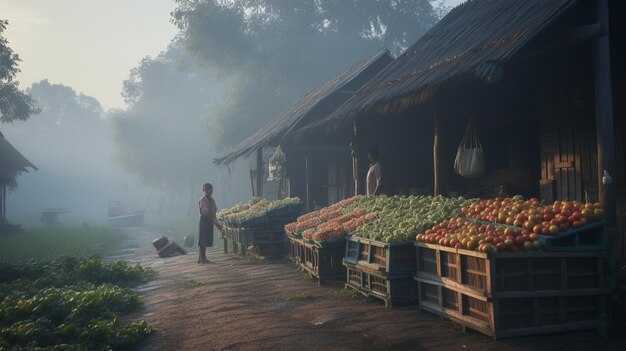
(70, 142)
(275, 51)
(161, 135)
(14, 104)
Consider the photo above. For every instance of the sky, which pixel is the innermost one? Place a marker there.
(88, 45)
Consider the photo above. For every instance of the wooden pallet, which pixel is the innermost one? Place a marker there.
(393, 292)
(512, 294)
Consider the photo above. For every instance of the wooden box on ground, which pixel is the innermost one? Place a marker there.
(265, 243)
(512, 294)
(321, 262)
(387, 259)
(394, 291)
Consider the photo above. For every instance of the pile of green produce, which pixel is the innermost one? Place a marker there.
(381, 218)
(258, 212)
(70, 304)
(401, 217)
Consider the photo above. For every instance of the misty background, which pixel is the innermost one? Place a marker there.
(138, 97)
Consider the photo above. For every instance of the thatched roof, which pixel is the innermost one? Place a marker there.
(474, 40)
(312, 107)
(11, 161)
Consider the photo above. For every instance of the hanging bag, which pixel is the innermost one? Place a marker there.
(470, 160)
(277, 165)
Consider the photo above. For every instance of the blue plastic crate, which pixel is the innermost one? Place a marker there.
(592, 237)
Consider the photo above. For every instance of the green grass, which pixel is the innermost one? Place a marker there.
(348, 294)
(43, 242)
(302, 296)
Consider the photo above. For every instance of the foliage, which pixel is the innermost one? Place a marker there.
(161, 136)
(274, 51)
(49, 242)
(15, 105)
(70, 303)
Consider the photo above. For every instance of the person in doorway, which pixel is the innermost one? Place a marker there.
(374, 179)
(208, 210)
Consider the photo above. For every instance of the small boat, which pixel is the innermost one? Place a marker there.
(118, 218)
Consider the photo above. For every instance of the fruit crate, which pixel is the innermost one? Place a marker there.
(232, 241)
(266, 243)
(592, 237)
(393, 291)
(512, 294)
(324, 263)
(388, 259)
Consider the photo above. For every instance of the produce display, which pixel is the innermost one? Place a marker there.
(70, 304)
(380, 218)
(400, 217)
(331, 222)
(471, 235)
(534, 216)
(258, 211)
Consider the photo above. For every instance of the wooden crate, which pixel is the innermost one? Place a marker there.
(323, 263)
(592, 237)
(265, 243)
(393, 291)
(512, 294)
(388, 259)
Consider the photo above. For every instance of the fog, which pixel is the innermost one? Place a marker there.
(232, 67)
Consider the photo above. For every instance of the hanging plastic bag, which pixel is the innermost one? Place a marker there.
(277, 165)
(470, 159)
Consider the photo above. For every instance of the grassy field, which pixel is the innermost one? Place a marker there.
(42, 242)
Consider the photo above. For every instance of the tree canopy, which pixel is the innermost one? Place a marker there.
(14, 103)
(275, 51)
(161, 135)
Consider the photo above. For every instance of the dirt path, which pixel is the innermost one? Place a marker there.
(236, 304)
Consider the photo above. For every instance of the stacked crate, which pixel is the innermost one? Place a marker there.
(322, 260)
(512, 294)
(381, 270)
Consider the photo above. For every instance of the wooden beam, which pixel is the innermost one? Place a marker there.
(259, 172)
(604, 112)
(436, 156)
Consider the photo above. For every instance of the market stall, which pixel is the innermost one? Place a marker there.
(257, 226)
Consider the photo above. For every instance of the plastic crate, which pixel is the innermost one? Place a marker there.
(389, 259)
(512, 294)
(592, 237)
(323, 263)
(393, 291)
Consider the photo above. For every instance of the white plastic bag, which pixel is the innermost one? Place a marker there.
(470, 160)
(277, 165)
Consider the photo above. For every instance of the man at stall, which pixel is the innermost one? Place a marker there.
(374, 179)
(208, 219)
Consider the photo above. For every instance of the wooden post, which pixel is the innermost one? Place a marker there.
(3, 195)
(355, 162)
(259, 172)
(604, 109)
(306, 178)
(436, 160)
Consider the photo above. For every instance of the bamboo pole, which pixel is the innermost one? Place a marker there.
(436, 155)
(259, 172)
(604, 110)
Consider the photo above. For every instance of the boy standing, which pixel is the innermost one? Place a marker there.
(208, 210)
